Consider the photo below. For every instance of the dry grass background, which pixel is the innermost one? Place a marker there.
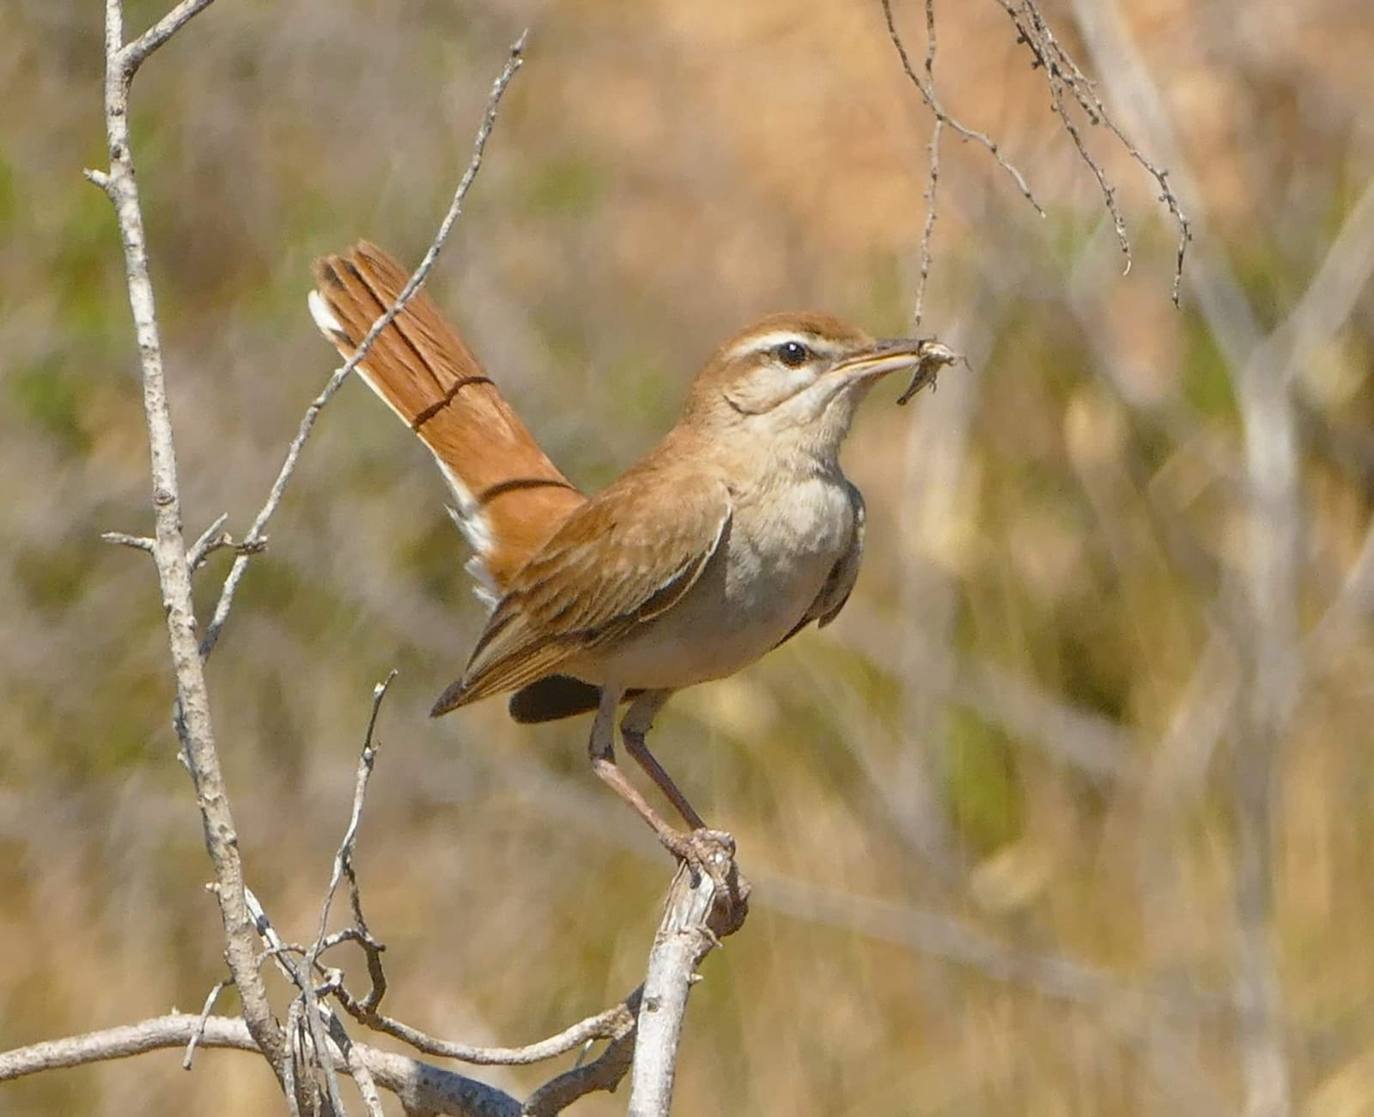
(1025, 723)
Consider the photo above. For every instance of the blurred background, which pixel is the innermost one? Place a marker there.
(1069, 811)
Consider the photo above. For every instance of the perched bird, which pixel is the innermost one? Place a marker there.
(737, 531)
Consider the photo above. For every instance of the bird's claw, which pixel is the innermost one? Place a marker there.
(708, 852)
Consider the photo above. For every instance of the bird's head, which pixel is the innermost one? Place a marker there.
(794, 377)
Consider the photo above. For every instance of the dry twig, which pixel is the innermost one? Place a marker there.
(343, 860)
(312, 413)
(1068, 86)
(932, 100)
(932, 175)
(310, 1019)
(194, 728)
(199, 1033)
(308, 996)
(421, 1087)
(1067, 83)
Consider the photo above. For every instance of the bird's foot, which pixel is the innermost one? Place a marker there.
(711, 853)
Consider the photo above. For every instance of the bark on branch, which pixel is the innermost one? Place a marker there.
(194, 728)
(701, 910)
(421, 1087)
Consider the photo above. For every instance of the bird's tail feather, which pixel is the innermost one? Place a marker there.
(510, 497)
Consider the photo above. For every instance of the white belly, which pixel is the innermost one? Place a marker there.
(770, 568)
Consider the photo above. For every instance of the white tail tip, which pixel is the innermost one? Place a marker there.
(330, 326)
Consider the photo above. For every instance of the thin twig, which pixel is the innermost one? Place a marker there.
(604, 1025)
(421, 1088)
(344, 857)
(932, 175)
(1063, 76)
(210, 1000)
(310, 1007)
(932, 100)
(210, 539)
(136, 53)
(137, 542)
(928, 230)
(357, 1067)
(293, 1037)
(306, 1016)
(416, 281)
(605, 1072)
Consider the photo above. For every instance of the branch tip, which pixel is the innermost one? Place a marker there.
(137, 542)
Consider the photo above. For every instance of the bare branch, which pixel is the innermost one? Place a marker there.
(137, 542)
(617, 1024)
(416, 281)
(1063, 76)
(605, 1072)
(196, 1036)
(928, 230)
(136, 53)
(342, 864)
(306, 1018)
(192, 720)
(932, 100)
(702, 907)
(314, 1037)
(211, 539)
(421, 1087)
(932, 178)
(357, 1067)
(343, 860)
(604, 1025)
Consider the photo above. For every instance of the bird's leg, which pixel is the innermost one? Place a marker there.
(634, 727)
(708, 851)
(601, 748)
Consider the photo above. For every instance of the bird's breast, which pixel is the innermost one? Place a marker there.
(772, 564)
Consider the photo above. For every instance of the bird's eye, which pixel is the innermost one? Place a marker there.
(793, 354)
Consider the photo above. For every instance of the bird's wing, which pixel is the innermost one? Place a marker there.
(616, 563)
(840, 582)
(845, 573)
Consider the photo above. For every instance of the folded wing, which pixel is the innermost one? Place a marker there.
(595, 581)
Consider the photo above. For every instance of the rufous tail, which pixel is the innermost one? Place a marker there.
(510, 496)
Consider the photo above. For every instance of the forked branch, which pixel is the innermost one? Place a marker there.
(1069, 88)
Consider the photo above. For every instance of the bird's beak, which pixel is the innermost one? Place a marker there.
(882, 357)
(925, 355)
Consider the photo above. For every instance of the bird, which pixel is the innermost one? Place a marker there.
(733, 534)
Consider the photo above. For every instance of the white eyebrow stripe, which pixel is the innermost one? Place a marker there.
(762, 342)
